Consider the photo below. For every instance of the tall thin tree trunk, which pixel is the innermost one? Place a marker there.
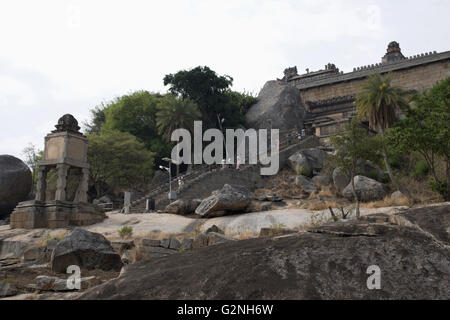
(389, 170)
(358, 214)
(447, 179)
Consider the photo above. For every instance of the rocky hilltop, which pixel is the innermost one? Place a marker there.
(279, 103)
(327, 262)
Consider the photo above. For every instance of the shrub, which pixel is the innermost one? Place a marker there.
(300, 170)
(125, 231)
(373, 174)
(420, 170)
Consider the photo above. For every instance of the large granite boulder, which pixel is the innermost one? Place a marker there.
(328, 262)
(308, 161)
(340, 179)
(85, 249)
(300, 164)
(278, 102)
(367, 189)
(366, 168)
(225, 201)
(183, 207)
(15, 183)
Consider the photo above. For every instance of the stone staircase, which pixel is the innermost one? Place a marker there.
(203, 179)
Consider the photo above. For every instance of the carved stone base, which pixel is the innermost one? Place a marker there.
(54, 214)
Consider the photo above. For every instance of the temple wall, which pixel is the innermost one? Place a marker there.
(418, 78)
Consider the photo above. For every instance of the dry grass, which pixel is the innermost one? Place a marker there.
(386, 202)
(420, 190)
(321, 205)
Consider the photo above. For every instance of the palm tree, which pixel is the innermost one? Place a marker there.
(175, 113)
(379, 102)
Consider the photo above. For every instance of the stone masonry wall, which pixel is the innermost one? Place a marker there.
(418, 78)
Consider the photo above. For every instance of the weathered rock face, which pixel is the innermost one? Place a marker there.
(328, 262)
(340, 179)
(7, 289)
(85, 249)
(366, 169)
(300, 164)
(308, 160)
(183, 206)
(225, 201)
(15, 183)
(305, 183)
(279, 102)
(367, 189)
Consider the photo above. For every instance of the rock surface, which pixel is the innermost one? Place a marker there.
(397, 195)
(309, 160)
(85, 249)
(183, 207)
(279, 102)
(340, 179)
(15, 183)
(305, 183)
(367, 189)
(7, 289)
(329, 262)
(225, 201)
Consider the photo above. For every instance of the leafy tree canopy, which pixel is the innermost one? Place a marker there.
(174, 113)
(426, 129)
(119, 159)
(203, 86)
(353, 147)
(136, 114)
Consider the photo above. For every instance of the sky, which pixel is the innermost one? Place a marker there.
(67, 56)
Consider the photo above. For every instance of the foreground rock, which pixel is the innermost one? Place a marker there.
(330, 262)
(225, 201)
(7, 289)
(279, 102)
(15, 183)
(85, 249)
(367, 189)
(306, 184)
(49, 283)
(308, 161)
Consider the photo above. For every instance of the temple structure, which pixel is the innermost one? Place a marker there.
(65, 151)
(329, 94)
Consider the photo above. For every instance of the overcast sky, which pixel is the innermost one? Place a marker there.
(67, 56)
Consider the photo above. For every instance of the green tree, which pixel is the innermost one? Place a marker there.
(234, 107)
(353, 147)
(426, 129)
(32, 157)
(379, 102)
(135, 113)
(203, 86)
(118, 159)
(175, 113)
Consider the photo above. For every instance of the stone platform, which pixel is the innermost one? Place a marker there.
(55, 214)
